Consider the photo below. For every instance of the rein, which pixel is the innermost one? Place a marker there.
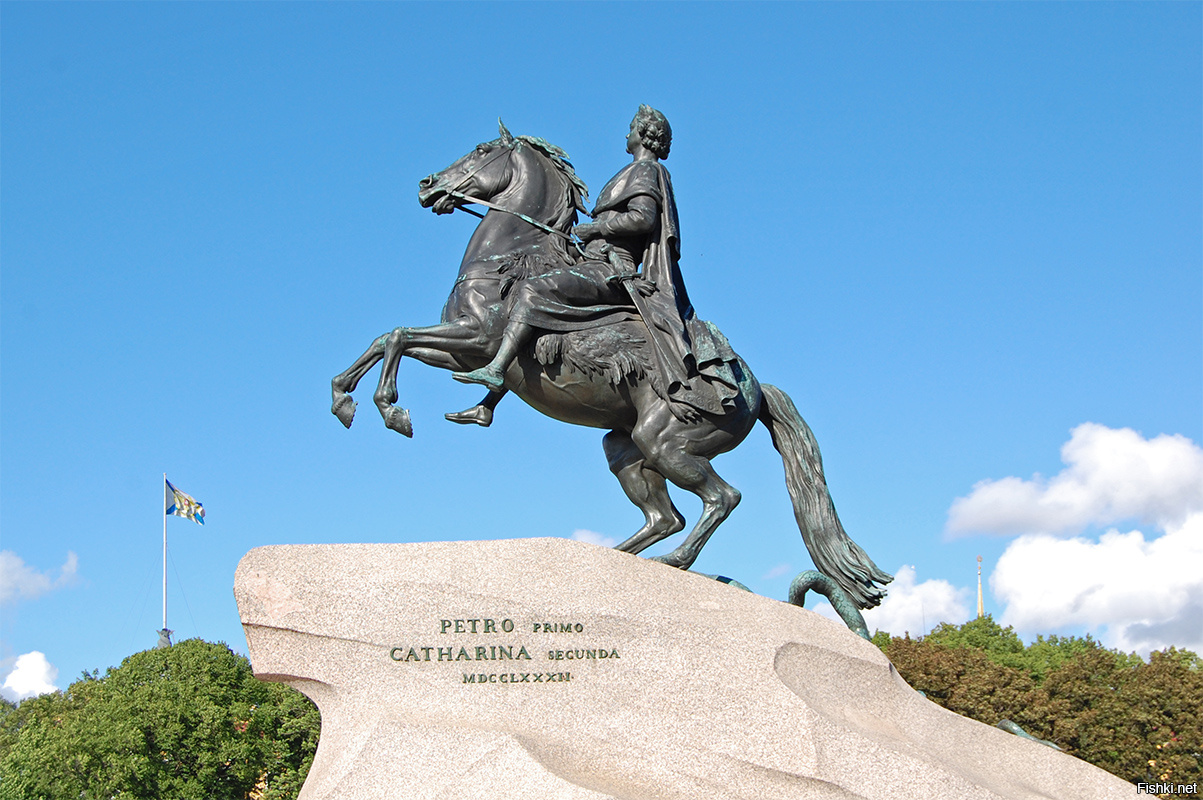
(467, 198)
(456, 193)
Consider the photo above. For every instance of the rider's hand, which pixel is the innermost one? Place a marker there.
(586, 231)
(644, 287)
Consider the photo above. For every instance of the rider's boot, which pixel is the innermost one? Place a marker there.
(492, 374)
(476, 415)
(480, 414)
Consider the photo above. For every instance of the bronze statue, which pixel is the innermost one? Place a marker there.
(635, 223)
(583, 336)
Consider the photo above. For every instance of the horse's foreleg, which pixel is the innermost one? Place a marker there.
(438, 345)
(396, 419)
(434, 358)
(344, 383)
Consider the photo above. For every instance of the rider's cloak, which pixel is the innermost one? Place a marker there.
(692, 355)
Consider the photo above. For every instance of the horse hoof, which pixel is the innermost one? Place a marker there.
(668, 559)
(397, 419)
(344, 409)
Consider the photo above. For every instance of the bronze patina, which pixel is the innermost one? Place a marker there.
(600, 332)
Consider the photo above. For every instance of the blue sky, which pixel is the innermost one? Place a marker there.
(954, 234)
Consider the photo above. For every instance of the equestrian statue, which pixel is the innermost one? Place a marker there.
(591, 325)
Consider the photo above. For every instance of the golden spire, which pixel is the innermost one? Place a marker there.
(981, 612)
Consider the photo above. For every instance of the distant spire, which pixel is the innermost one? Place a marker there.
(981, 612)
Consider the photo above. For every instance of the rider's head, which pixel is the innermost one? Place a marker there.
(653, 131)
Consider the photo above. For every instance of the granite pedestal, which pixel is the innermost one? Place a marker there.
(558, 670)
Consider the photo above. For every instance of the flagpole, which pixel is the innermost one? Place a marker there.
(181, 505)
(164, 557)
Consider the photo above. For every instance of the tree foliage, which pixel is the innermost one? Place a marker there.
(192, 722)
(1140, 721)
(189, 722)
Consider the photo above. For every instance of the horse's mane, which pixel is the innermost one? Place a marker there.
(575, 189)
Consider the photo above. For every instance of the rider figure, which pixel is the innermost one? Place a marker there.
(635, 222)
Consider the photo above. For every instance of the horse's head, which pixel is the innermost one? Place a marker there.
(485, 172)
(524, 174)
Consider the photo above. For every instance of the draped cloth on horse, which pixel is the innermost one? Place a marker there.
(693, 358)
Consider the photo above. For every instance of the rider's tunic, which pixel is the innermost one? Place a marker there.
(636, 213)
(591, 293)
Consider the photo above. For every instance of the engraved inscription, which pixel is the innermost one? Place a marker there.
(471, 625)
(504, 651)
(579, 655)
(496, 652)
(557, 627)
(518, 677)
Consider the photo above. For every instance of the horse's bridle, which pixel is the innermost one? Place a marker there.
(454, 190)
(467, 198)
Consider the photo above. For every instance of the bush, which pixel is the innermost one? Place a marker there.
(188, 722)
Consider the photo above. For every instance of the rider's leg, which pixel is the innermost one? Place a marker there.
(480, 414)
(517, 334)
(585, 284)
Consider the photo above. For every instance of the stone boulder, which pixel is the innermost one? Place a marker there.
(558, 670)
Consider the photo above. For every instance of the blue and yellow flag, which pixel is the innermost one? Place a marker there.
(181, 505)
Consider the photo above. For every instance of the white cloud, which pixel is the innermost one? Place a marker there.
(917, 607)
(1111, 475)
(31, 676)
(776, 572)
(593, 537)
(19, 581)
(1133, 593)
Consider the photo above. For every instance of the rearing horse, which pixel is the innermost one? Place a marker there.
(600, 378)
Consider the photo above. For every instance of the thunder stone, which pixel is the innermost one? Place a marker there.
(565, 671)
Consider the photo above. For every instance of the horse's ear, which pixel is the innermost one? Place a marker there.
(507, 138)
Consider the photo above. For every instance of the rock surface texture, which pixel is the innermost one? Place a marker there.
(554, 669)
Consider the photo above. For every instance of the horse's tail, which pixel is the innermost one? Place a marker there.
(836, 555)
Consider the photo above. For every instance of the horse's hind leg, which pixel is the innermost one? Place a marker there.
(668, 452)
(342, 406)
(646, 489)
(719, 499)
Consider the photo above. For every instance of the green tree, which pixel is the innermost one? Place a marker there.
(961, 679)
(1140, 721)
(980, 634)
(188, 722)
